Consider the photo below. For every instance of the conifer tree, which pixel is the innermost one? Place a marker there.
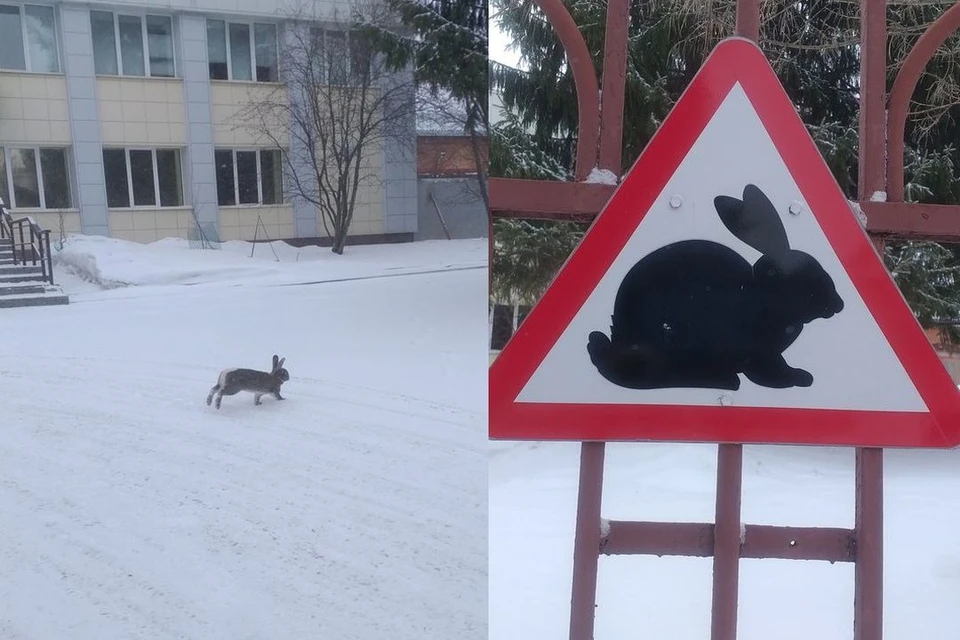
(446, 43)
(814, 48)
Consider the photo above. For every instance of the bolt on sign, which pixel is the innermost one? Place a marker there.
(726, 293)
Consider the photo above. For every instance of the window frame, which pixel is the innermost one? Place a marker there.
(144, 44)
(350, 72)
(156, 179)
(253, 53)
(236, 178)
(8, 176)
(27, 62)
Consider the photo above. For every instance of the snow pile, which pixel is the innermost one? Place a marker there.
(858, 212)
(601, 176)
(110, 262)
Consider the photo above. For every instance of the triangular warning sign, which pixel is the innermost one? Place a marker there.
(726, 293)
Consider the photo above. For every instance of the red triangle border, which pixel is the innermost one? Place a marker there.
(735, 60)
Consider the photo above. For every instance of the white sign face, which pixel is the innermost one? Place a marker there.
(852, 364)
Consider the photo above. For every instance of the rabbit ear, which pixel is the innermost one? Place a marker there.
(280, 364)
(275, 359)
(754, 220)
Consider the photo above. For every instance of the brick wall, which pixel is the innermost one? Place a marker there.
(447, 156)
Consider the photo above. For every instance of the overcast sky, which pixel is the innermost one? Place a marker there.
(497, 44)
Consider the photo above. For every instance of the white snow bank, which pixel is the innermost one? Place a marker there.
(858, 212)
(110, 262)
(601, 176)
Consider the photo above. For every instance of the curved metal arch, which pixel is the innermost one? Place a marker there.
(600, 125)
(902, 90)
(585, 80)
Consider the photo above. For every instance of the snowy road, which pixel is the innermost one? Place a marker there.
(354, 509)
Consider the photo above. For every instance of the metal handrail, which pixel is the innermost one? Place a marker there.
(33, 245)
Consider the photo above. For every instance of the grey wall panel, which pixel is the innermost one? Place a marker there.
(306, 223)
(460, 204)
(201, 174)
(400, 169)
(84, 119)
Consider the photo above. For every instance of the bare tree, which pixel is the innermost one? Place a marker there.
(338, 108)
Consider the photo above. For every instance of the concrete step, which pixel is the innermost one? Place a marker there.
(17, 288)
(19, 269)
(33, 300)
(21, 277)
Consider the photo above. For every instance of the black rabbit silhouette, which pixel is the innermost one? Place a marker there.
(695, 314)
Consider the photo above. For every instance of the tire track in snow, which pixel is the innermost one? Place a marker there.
(342, 491)
(146, 291)
(210, 373)
(66, 520)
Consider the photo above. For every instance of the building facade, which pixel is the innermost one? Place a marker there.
(117, 119)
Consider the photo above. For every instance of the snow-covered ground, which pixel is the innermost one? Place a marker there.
(353, 510)
(533, 493)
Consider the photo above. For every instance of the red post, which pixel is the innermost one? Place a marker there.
(726, 550)
(613, 83)
(726, 545)
(489, 251)
(873, 98)
(748, 19)
(586, 546)
(873, 177)
(868, 594)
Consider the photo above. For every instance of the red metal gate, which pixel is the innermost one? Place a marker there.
(599, 145)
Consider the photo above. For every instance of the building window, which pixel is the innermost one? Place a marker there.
(337, 61)
(242, 51)
(28, 39)
(143, 178)
(34, 178)
(344, 55)
(145, 45)
(249, 177)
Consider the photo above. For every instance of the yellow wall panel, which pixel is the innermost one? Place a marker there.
(33, 110)
(141, 111)
(51, 220)
(240, 223)
(230, 106)
(150, 225)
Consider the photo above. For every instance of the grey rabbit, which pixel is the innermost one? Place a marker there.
(259, 383)
(696, 314)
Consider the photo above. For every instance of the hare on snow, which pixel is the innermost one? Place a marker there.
(259, 383)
